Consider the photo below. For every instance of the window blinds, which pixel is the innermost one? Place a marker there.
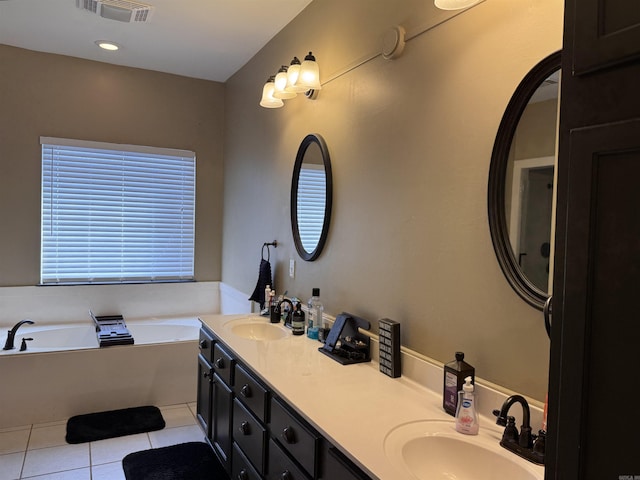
(116, 213)
(312, 195)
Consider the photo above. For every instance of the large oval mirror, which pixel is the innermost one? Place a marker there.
(521, 183)
(311, 193)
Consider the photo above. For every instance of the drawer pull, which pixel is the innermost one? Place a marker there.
(245, 428)
(286, 475)
(243, 475)
(245, 391)
(220, 362)
(203, 344)
(289, 435)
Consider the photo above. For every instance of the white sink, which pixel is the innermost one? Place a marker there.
(256, 330)
(433, 450)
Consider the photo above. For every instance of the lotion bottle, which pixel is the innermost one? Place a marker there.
(466, 414)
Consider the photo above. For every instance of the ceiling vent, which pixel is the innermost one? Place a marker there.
(120, 10)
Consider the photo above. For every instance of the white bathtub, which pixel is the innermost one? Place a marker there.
(75, 336)
(63, 372)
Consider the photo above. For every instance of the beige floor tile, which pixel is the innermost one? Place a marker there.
(48, 436)
(14, 441)
(173, 436)
(177, 416)
(55, 459)
(10, 466)
(77, 474)
(115, 449)
(108, 471)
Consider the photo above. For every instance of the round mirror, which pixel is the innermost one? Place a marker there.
(311, 192)
(521, 183)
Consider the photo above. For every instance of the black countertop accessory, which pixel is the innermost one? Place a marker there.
(389, 332)
(345, 344)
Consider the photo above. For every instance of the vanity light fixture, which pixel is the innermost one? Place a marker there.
(290, 80)
(106, 45)
(455, 4)
(268, 100)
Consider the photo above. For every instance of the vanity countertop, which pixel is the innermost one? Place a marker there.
(354, 406)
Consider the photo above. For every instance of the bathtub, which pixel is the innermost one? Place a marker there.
(64, 372)
(75, 336)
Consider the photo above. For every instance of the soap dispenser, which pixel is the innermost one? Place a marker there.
(466, 414)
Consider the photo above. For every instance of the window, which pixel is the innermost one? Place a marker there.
(116, 213)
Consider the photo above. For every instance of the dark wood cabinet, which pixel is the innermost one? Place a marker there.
(595, 331)
(254, 434)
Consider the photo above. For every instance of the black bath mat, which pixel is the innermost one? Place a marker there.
(186, 461)
(114, 423)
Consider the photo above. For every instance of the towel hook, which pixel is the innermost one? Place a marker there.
(273, 244)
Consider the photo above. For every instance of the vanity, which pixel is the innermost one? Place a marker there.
(274, 407)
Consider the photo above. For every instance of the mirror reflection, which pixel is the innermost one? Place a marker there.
(521, 193)
(311, 197)
(529, 189)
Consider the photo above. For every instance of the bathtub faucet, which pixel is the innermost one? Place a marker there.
(11, 334)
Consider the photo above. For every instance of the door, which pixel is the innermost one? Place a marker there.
(596, 329)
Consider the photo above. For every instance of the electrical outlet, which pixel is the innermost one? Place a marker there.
(292, 268)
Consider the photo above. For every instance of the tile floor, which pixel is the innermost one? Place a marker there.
(40, 451)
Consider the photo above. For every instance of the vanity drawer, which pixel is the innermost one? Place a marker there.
(223, 363)
(205, 344)
(281, 466)
(241, 466)
(297, 438)
(250, 435)
(251, 393)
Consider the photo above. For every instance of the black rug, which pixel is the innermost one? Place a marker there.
(186, 461)
(114, 423)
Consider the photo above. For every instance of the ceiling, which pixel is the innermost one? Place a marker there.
(208, 39)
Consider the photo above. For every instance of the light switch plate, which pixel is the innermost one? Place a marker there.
(292, 268)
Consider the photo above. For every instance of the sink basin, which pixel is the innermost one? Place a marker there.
(433, 450)
(259, 331)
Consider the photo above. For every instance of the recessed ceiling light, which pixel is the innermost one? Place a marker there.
(112, 47)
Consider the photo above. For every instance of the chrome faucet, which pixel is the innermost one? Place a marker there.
(11, 334)
(523, 443)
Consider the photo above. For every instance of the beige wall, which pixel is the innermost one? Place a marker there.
(58, 96)
(410, 142)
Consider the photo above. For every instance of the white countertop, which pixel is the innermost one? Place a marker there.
(353, 406)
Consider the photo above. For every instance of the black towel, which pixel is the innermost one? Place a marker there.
(264, 279)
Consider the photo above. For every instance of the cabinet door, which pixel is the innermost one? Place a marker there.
(222, 415)
(335, 466)
(205, 391)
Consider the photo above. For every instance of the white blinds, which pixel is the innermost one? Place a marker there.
(116, 213)
(312, 195)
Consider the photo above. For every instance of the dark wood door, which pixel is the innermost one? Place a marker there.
(596, 329)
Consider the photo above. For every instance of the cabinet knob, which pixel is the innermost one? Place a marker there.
(245, 391)
(206, 374)
(289, 435)
(220, 362)
(245, 428)
(203, 344)
(243, 475)
(286, 475)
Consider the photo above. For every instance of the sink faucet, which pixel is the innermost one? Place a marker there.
(524, 443)
(287, 317)
(11, 334)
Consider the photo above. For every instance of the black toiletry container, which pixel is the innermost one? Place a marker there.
(454, 374)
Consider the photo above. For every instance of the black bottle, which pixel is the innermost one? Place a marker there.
(297, 324)
(454, 374)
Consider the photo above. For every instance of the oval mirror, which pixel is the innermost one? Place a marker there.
(521, 183)
(311, 192)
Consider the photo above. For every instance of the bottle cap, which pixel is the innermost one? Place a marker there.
(468, 386)
(315, 292)
(459, 356)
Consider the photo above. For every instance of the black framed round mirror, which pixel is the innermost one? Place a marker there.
(311, 197)
(521, 185)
